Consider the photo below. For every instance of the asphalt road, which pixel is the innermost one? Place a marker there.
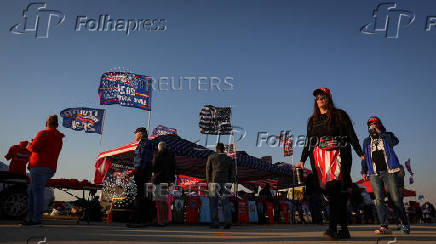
(68, 232)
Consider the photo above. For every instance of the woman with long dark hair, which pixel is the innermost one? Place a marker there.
(330, 133)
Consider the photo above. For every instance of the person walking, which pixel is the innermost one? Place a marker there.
(144, 209)
(330, 133)
(45, 150)
(164, 167)
(220, 173)
(382, 166)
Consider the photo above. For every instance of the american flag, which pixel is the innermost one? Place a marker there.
(215, 120)
(230, 150)
(408, 166)
(286, 139)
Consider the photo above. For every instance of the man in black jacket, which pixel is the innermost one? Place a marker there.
(164, 164)
(220, 173)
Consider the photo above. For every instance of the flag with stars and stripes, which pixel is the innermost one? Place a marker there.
(215, 120)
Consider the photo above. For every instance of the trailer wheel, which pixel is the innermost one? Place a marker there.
(13, 202)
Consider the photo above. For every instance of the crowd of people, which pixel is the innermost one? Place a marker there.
(330, 138)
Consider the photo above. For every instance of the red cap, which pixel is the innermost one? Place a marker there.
(373, 119)
(324, 90)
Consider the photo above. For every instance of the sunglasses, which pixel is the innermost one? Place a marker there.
(321, 97)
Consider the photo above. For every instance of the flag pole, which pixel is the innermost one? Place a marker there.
(236, 154)
(102, 128)
(100, 144)
(148, 122)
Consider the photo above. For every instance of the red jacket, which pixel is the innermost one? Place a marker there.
(45, 149)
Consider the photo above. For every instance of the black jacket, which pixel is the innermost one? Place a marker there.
(345, 135)
(220, 168)
(164, 167)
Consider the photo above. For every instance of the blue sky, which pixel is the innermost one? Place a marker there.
(276, 51)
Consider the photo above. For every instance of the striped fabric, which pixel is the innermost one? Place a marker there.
(328, 165)
(191, 159)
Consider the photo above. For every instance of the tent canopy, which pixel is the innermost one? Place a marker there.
(367, 185)
(191, 160)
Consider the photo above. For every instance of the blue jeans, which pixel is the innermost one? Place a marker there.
(38, 179)
(213, 199)
(378, 183)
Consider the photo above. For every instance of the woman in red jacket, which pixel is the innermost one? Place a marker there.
(45, 149)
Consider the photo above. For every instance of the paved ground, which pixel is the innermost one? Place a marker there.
(68, 232)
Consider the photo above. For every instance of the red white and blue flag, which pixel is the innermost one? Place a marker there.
(286, 139)
(408, 166)
(162, 130)
(90, 120)
(125, 89)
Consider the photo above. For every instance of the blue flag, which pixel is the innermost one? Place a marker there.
(125, 89)
(163, 130)
(91, 120)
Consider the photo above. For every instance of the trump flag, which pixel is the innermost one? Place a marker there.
(162, 130)
(90, 120)
(125, 89)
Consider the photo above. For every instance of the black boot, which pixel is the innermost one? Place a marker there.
(344, 234)
(330, 234)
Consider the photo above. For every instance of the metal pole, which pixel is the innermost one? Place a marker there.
(148, 123)
(236, 164)
(236, 154)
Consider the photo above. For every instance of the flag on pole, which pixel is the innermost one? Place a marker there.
(215, 120)
(411, 180)
(286, 139)
(162, 130)
(230, 150)
(125, 89)
(408, 167)
(90, 120)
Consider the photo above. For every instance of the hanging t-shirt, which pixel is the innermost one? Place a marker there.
(243, 212)
(170, 201)
(192, 209)
(284, 211)
(270, 212)
(205, 210)
(252, 212)
(179, 211)
(20, 156)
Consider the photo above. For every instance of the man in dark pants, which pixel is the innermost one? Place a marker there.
(144, 209)
(220, 173)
